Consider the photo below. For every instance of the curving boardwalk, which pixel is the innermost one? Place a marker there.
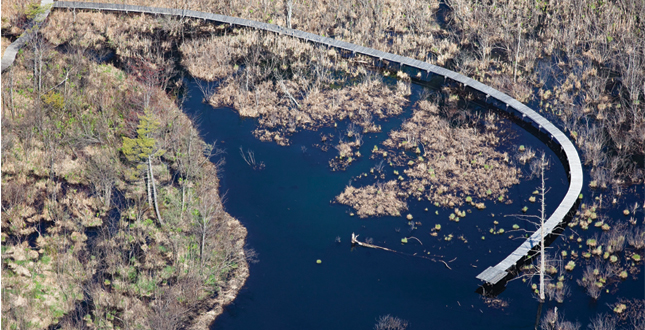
(12, 50)
(493, 274)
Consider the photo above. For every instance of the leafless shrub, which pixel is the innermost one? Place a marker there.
(249, 158)
(102, 174)
(252, 256)
(553, 321)
(593, 279)
(374, 200)
(525, 156)
(614, 240)
(602, 322)
(592, 141)
(379, 166)
(207, 88)
(636, 237)
(557, 291)
(167, 312)
(388, 322)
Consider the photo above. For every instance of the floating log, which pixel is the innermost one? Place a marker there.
(355, 241)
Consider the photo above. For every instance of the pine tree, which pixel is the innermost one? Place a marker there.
(142, 150)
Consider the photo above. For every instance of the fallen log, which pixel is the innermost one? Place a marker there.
(355, 241)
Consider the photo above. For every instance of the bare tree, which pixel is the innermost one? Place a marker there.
(208, 210)
(289, 9)
(542, 164)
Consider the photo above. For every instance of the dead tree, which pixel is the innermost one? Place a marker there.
(289, 9)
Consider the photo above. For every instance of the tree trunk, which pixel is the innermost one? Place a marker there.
(542, 261)
(154, 190)
(35, 65)
(183, 183)
(201, 249)
(289, 11)
(108, 195)
(13, 114)
(183, 200)
(40, 70)
(517, 52)
(148, 186)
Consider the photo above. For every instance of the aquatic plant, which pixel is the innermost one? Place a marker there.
(619, 308)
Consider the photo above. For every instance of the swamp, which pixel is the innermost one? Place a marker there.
(171, 172)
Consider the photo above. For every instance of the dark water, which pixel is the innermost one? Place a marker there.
(291, 223)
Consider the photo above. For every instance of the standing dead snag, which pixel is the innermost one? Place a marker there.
(542, 165)
(208, 210)
(142, 150)
(289, 5)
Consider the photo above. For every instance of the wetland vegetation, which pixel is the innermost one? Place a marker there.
(112, 211)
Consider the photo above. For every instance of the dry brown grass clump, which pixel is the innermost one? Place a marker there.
(378, 199)
(15, 16)
(405, 27)
(346, 153)
(128, 36)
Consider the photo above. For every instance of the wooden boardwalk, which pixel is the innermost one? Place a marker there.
(12, 50)
(491, 275)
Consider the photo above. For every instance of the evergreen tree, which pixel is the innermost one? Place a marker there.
(142, 150)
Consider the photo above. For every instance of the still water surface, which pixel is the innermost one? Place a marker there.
(292, 221)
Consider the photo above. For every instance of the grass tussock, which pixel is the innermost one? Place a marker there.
(379, 199)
